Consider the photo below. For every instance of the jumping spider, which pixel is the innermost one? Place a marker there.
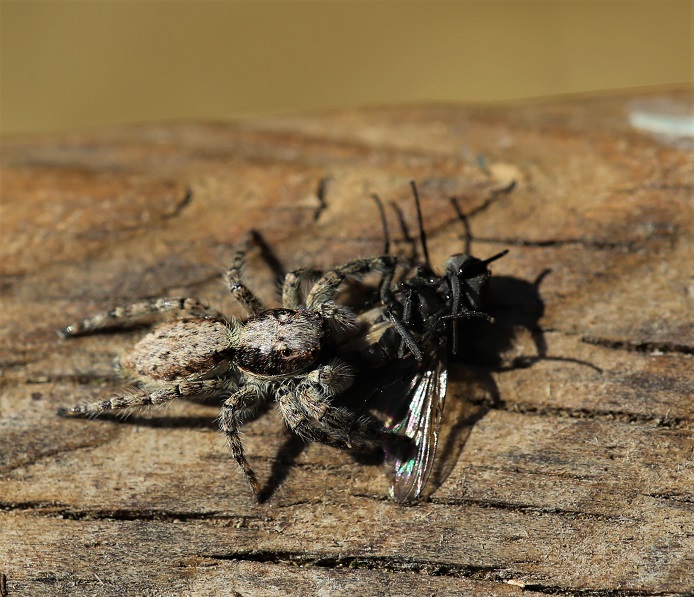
(282, 353)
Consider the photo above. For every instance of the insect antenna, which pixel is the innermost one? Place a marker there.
(499, 255)
(466, 224)
(384, 223)
(420, 221)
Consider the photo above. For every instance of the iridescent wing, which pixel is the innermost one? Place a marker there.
(425, 397)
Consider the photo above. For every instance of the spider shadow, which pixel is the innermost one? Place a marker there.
(141, 416)
(290, 451)
(282, 465)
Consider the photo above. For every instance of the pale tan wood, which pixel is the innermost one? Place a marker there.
(571, 474)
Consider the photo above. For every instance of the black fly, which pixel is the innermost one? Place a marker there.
(422, 318)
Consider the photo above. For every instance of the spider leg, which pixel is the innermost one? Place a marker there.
(326, 287)
(237, 287)
(291, 288)
(338, 427)
(127, 315)
(236, 410)
(310, 397)
(320, 297)
(142, 397)
(292, 405)
(308, 410)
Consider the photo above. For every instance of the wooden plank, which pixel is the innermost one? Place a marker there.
(567, 458)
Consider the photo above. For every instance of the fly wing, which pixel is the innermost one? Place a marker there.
(425, 397)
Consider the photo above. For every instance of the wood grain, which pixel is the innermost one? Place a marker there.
(567, 458)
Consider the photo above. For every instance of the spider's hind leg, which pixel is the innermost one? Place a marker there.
(127, 399)
(128, 315)
(135, 397)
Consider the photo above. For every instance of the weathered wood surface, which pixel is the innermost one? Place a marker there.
(568, 475)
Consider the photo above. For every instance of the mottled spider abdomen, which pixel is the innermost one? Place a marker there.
(182, 348)
(279, 342)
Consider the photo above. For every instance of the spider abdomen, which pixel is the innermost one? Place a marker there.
(179, 349)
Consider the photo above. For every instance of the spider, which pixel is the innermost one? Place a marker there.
(281, 353)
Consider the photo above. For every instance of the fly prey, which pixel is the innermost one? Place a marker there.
(421, 318)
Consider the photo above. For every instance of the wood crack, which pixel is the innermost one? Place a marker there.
(649, 347)
(306, 559)
(63, 511)
(584, 413)
(534, 510)
(558, 242)
(429, 568)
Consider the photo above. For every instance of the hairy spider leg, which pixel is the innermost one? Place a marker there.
(237, 287)
(309, 413)
(135, 397)
(128, 315)
(292, 296)
(236, 410)
(320, 297)
(325, 288)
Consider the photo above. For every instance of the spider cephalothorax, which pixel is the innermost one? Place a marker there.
(282, 353)
(279, 342)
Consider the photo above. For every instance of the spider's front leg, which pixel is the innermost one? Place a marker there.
(321, 296)
(236, 410)
(292, 405)
(292, 297)
(324, 289)
(305, 405)
(127, 315)
(309, 412)
(237, 287)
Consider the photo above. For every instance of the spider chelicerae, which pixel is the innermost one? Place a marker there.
(283, 353)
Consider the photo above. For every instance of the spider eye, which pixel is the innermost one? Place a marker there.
(285, 352)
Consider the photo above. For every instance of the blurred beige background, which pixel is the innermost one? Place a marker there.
(70, 65)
